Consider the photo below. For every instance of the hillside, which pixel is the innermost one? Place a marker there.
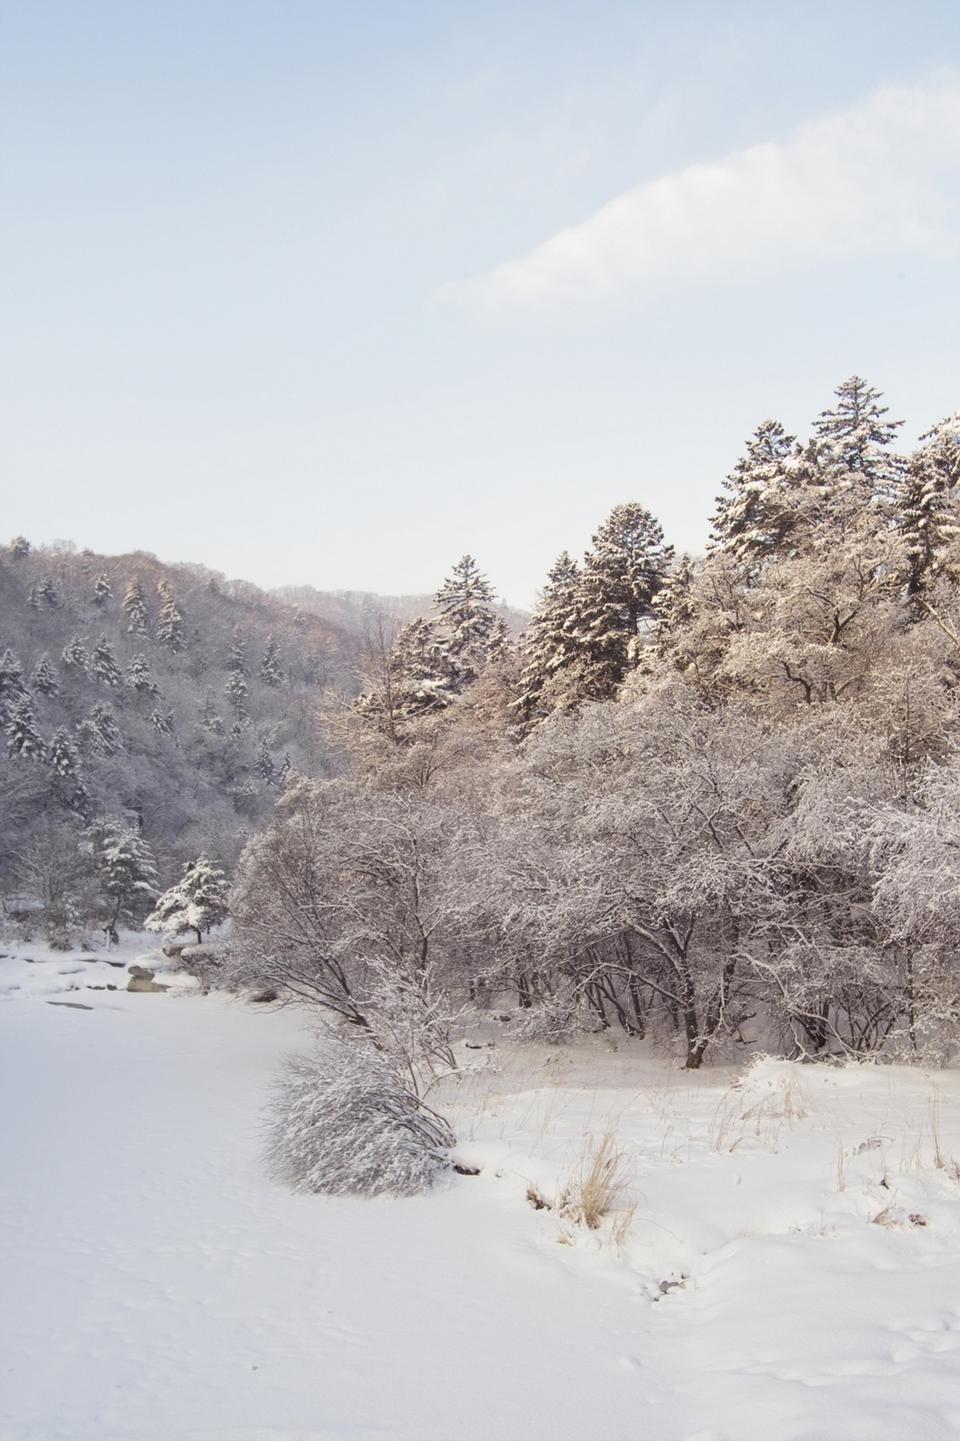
(179, 710)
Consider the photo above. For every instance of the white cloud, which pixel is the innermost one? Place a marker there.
(883, 176)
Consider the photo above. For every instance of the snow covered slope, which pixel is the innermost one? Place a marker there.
(155, 1285)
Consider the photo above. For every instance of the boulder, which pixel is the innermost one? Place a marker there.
(139, 983)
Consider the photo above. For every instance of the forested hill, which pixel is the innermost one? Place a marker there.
(357, 611)
(164, 694)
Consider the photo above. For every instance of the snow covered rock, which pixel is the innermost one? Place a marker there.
(142, 979)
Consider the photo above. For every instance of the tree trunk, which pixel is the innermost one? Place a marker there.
(595, 999)
(111, 926)
(696, 1044)
(640, 1019)
(911, 1006)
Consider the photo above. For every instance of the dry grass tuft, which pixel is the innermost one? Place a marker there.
(737, 1116)
(620, 1225)
(939, 1160)
(598, 1188)
(726, 1125)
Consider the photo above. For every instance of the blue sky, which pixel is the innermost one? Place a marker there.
(333, 293)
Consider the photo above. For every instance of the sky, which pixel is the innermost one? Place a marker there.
(330, 294)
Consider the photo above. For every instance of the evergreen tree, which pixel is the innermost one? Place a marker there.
(410, 679)
(64, 762)
(48, 593)
(126, 869)
(210, 721)
(236, 693)
(62, 755)
(674, 615)
(196, 903)
(139, 677)
(673, 606)
(418, 651)
(136, 608)
(284, 773)
(271, 672)
(23, 739)
(845, 481)
(237, 659)
(466, 622)
(500, 647)
(162, 721)
(99, 731)
(755, 517)
(422, 672)
(86, 738)
(104, 664)
(547, 644)
(849, 470)
(265, 767)
(169, 619)
(19, 547)
(927, 505)
(857, 433)
(44, 677)
(11, 681)
(102, 590)
(618, 584)
(34, 597)
(75, 655)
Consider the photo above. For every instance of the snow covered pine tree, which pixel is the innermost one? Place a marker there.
(197, 902)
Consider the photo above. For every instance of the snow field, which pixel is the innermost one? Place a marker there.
(794, 1230)
(156, 1285)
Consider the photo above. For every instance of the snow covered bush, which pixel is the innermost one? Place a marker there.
(343, 1123)
(57, 876)
(208, 965)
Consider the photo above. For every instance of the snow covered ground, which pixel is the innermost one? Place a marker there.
(154, 1284)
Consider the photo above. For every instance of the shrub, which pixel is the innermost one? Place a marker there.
(553, 1022)
(343, 1123)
